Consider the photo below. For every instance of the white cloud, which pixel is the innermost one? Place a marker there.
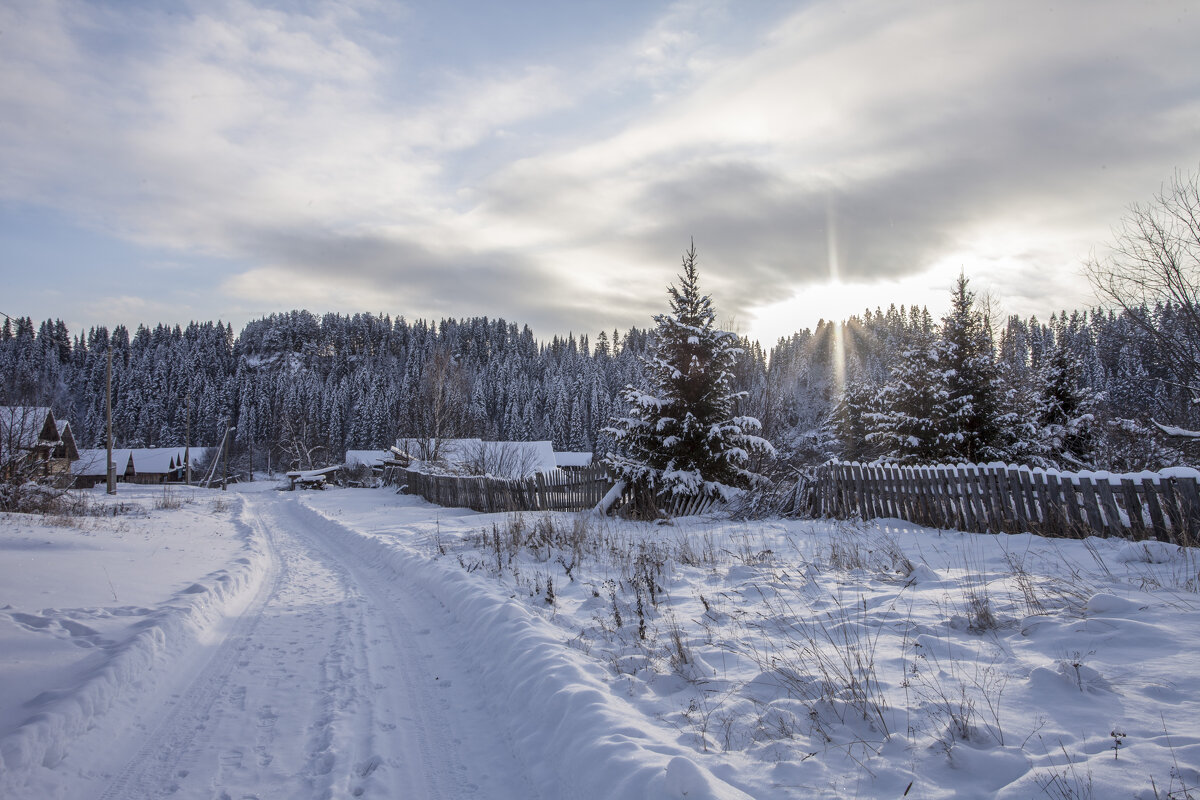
(991, 137)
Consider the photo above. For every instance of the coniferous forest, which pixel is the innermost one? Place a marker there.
(1079, 390)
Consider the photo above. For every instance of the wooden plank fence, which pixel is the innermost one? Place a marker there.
(561, 490)
(1006, 499)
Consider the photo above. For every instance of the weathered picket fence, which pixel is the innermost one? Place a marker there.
(999, 498)
(561, 490)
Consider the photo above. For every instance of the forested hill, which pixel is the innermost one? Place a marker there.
(1079, 390)
(335, 382)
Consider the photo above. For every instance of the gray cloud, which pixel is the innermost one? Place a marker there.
(1009, 138)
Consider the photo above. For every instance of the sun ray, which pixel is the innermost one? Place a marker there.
(839, 344)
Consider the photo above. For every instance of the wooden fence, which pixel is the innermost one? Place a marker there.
(561, 490)
(1012, 499)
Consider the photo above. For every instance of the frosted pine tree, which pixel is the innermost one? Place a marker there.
(1066, 405)
(976, 431)
(681, 436)
(909, 422)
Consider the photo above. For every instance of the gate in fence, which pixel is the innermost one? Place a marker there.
(999, 498)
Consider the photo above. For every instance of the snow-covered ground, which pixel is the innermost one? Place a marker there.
(361, 643)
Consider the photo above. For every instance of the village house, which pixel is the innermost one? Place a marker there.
(32, 442)
(570, 460)
(88, 471)
(477, 457)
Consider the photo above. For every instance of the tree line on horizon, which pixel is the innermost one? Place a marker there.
(1077, 391)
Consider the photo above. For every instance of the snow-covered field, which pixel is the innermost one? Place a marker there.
(361, 643)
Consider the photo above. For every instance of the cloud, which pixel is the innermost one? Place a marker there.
(922, 128)
(316, 146)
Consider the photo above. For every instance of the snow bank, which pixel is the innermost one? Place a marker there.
(127, 668)
(582, 740)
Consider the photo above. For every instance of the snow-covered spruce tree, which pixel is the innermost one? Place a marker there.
(976, 430)
(909, 421)
(680, 436)
(1066, 406)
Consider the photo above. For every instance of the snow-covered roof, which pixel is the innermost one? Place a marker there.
(309, 474)
(25, 426)
(371, 458)
(91, 462)
(156, 460)
(452, 451)
(503, 459)
(572, 459)
(513, 459)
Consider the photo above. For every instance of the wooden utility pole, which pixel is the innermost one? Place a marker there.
(187, 442)
(111, 478)
(225, 459)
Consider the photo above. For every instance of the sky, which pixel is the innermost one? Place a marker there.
(550, 162)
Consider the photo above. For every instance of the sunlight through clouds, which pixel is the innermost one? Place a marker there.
(377, 144)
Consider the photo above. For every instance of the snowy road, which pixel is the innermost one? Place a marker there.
(337, 680)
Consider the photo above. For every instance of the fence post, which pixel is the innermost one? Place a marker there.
(1088, 491)
(1133, 508)
(1108, 504)
(1170, 503)
(1024, 480)
(1186, 487)
(1007, 500)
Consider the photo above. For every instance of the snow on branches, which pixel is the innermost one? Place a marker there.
(681, 435)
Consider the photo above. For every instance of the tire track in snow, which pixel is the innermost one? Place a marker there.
(329, 684)
(156, 764)
(433, 717)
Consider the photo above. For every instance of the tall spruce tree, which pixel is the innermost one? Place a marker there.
(974, 429)
(909, 423)
(1065, 404)
(682, 436)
